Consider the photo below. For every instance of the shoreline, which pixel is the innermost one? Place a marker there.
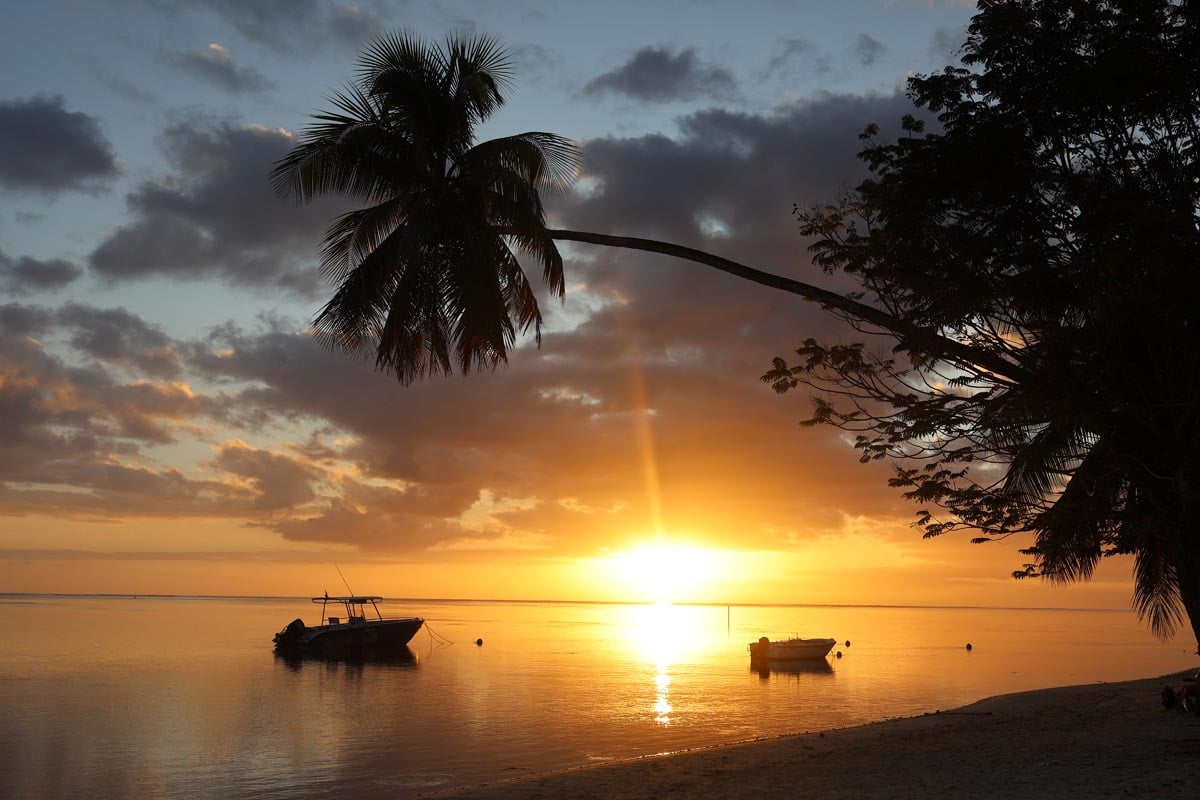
(1104, 740)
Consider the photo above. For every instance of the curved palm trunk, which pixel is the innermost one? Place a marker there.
(914, 336)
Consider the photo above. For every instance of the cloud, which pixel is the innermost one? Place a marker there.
(278, 480)
(868, 49)
(77, 438)
(215, 65)
(558, 440)
(291, 26)
(654, 74)
(216, 217)
(115, 336)
(641, 410)
(737, 172)
(377, 518)
(46, 148)
(793, 58)
(26, 275)
(72, 435)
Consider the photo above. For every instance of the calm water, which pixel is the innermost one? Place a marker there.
(184, 698)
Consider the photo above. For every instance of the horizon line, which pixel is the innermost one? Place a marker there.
(544, 601)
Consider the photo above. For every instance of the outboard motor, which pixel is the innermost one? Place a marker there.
(290, 635)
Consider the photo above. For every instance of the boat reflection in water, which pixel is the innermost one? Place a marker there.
(397, 658)
(765, 668)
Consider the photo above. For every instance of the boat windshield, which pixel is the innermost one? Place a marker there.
(354, 606)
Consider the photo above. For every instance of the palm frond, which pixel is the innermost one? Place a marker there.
(1042, 464)
(425, 270)
(353, 236)
(544, 160)
(480, 71)
(1156, 585)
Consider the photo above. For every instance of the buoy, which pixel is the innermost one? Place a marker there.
(968, 645)
(479, 643)
(839, 653)
(847, 643)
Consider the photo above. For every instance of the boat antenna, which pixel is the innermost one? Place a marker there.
(343, 577)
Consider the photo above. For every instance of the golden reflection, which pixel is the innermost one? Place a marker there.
(663, 635)
(662, 697)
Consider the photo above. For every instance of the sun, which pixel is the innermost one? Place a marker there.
(664, 572)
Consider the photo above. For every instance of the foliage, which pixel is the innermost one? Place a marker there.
(1050, 220)
(426, 272)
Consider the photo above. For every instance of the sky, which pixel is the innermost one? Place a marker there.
(169, 426)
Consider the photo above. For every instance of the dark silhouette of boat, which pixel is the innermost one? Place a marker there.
(353, 633)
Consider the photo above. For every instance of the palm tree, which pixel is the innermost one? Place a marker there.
(426, 271)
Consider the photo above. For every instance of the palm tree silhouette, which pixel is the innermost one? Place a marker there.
(426, 270)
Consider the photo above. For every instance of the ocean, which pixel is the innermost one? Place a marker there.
(174, 697)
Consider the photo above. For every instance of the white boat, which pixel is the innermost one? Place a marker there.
(794, 649)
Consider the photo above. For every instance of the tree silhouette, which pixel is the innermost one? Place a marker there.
(1033, 259)
(426, 272)
(1053, 220)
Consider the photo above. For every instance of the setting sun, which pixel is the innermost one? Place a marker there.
(665, 572)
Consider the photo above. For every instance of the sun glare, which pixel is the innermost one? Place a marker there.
(665, 572)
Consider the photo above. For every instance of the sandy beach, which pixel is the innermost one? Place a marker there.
(1104, 740)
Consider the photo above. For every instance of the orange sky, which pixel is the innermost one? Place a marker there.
(169, 425)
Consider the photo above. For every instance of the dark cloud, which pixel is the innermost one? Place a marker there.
(116, 336)
(216, 216)
(19, 321)
(559, 432)
(26, 275)
(72, 436)
(868, 50)
(654, 74)
(642, 408)
(278, 480)
(76, 438)
(45, 147)
(729, 180)
(375, 518)
(558, 440)
(215, 65)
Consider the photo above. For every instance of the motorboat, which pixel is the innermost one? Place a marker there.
(351, 632)
(794, 649)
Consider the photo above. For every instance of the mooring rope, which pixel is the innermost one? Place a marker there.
(435, 637)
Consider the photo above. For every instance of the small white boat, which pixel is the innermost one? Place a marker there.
(794, 649)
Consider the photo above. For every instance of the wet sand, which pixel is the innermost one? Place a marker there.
(1109, 740)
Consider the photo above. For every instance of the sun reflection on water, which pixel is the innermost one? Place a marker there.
(662, 698)
(663, 635)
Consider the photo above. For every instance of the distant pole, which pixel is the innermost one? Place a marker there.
(726, 620)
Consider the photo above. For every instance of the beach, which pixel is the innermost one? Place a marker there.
(1106, 740)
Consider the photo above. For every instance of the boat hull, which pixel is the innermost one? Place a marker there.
(376, 635)
(791, 649)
